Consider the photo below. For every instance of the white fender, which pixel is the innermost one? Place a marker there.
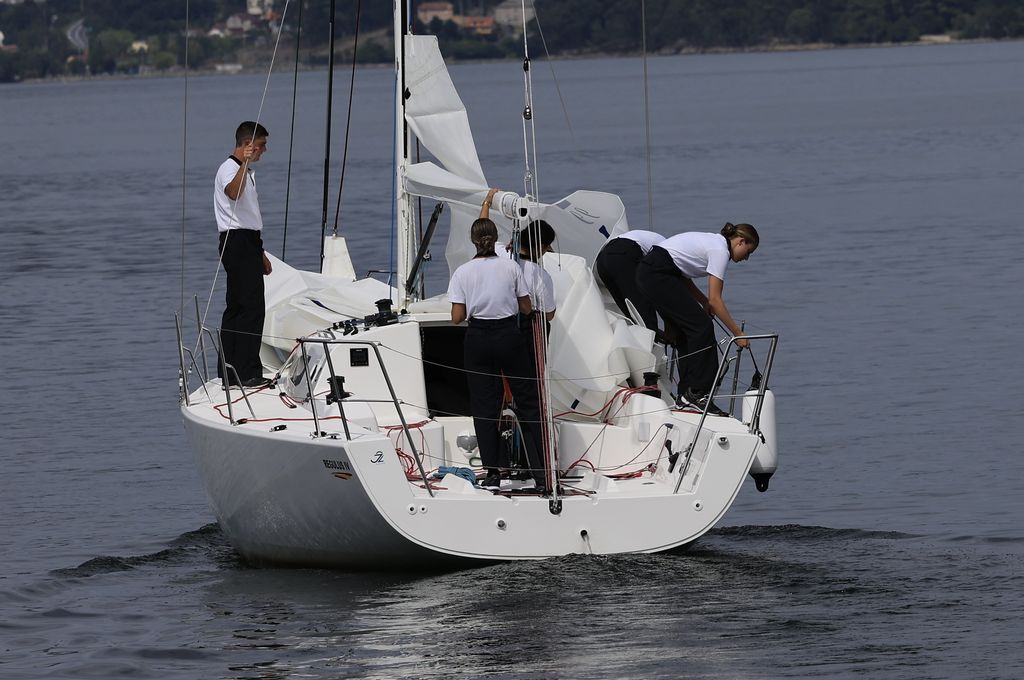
(767, 458)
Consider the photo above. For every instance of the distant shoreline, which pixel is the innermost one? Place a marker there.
(259, 65)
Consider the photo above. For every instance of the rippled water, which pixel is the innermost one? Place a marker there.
(885, 184)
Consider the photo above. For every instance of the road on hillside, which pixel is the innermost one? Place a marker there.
(78, 36)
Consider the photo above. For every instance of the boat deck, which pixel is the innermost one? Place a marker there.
(643, 472)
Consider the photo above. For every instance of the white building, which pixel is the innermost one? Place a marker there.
(510, 14)
(428, 11)
(258, 7)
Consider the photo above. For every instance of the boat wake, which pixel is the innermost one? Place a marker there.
(799, 532)
(207, 543)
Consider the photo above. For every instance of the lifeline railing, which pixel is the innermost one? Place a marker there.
(203, 370)
(336, 387)
(339, 395)
(754, 426)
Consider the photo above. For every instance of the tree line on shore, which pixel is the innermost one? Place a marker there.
(145, 35)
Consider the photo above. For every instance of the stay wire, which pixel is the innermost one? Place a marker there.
(348, 117)
(529, 130)
(184, 165)
(532, 185)
(647, 117)
(291, 130)
(554, 76)
(234, 203)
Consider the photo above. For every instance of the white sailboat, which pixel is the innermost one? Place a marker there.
(357, 456)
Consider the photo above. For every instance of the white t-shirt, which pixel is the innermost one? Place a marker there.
(540, 285)
(489, 287)
(538, 281)
(231, 214)
(645, 239)
(698, 254)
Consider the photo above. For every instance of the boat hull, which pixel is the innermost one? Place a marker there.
(291, 498)
(294, 505)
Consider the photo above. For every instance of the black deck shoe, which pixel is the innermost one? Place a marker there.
(491, 481)
(700, 401)
(257, 382)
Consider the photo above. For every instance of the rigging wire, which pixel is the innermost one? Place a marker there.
(234, 203)
(554, 76)
(658, 363)
(532, 196)
(291, 130)
(184, 165)
(348, 117)
(529, 128)
(647, 116)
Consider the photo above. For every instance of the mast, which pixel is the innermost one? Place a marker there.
(327, 142)
(405, 232)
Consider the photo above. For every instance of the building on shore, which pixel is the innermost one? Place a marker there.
(478, 25)
(509, 15)
(428, 11)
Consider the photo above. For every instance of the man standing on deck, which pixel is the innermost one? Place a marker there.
(239, 222)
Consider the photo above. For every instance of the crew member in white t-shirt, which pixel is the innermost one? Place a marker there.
(239, 223)
(616, 266)
(666, 275)
(534, 241)
(539, 283)
(491, 293)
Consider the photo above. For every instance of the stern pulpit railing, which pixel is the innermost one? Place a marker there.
(754, 426)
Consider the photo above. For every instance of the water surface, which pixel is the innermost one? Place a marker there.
(885, 184)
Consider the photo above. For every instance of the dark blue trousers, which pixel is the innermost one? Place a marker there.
(616, 265)
(241, 326)
(493, 347)
(658, 278)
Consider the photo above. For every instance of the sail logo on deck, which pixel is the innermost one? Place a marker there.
(377, 458)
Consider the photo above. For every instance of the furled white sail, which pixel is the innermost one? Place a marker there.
(299, 302)
(434, 111)
(583, 221)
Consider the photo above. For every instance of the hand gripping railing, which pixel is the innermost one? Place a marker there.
(338, 398)
(755, 419)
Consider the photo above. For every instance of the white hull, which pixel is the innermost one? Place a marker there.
(287, 497)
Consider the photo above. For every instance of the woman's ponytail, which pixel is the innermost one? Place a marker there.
(484, 234)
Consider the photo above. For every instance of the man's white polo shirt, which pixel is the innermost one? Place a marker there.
(243, 213)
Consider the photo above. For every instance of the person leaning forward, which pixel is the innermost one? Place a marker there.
(665, 276)
(616, 266)
(239, 224)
